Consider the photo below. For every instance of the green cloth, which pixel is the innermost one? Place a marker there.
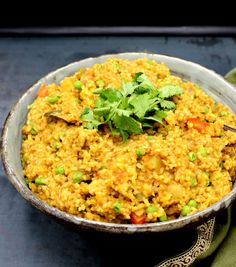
(231, 76)
(226, 255)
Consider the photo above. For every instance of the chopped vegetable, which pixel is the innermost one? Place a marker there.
(223, 114)
(185, 210)
(193, 181)
(192, 156)
(77, 177)
(206, 109)
(192, 203)
(140, 152)
(202, 151)
(136, 219)
(56, 146)
(78, 85)
(100, 83)
(197, 124)
(150, 138)
(222, 164)
(222, 133)
(117, 207)
(151, 209)
(34, 130)
(136, 106)
(29, 107)
(52, 99)
(43, 91)
(163, 218)
(150, 61)
(39, 181)
(60, 170)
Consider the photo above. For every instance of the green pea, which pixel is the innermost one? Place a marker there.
(150, 137)
(29, 107)
(60, 170)
(52, 99)
(223, 114)
(203, 151)
(193, 181)
(27, 181)
(56, 146)
(39, 181)
(34, 130)
(100, 83)
(149, 61)
(163, 218)
(78, 85)
(140, 152)
(151, 209)
(222, 133)
(185, 210)
(192, 203)
(206, 109)
(77, 177)
(117, 207)
(192, 156)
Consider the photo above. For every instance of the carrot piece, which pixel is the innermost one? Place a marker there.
(135, 219)
(197, 124)
(43, 90)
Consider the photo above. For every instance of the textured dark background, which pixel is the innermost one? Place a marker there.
(29, 238)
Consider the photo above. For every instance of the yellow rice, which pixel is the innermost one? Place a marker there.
(112, 170)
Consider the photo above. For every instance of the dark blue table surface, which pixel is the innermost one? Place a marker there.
(29, 238)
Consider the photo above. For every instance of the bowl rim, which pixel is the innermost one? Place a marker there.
(25, 192)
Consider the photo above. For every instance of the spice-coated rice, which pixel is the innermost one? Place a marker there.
(113, 183)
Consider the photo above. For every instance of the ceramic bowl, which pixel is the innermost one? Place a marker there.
(211, 82)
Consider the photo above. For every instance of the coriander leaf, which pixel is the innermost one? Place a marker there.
(160, 113)
(127, 124)
(166, 104)
(138, 104)
(124, 135)
(141, 104)
(141, 90)
(99, 102)
(98, 90)
(121, 112)
(110, 94)
(87, 115)
(154, 118)
(124, 103)
(136, 76)
(92, 125)
(145, 82)
(147, 124)
(167, 91)
(127, 88)
(115, 132)
(103, 111)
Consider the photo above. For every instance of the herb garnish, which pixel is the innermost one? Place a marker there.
(136, 106)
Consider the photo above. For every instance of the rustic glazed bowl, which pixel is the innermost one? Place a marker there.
(212, 83)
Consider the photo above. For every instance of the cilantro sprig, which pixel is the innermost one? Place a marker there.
(136, 106)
